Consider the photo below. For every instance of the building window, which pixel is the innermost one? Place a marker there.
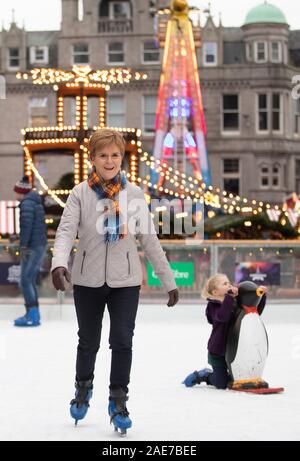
(270, 176)
(297, 177)
(276, 112)
(270, 105)
(80, 11)
(249, 52)
(116, 114)
(231, 112)
(265, 176)
(39, 55)
(13, 58)
(231, 185)
(69, 111)
(276, 52)
(150, 52)
(296, 116)
(231, 175)
(38, 112)
(261, 51)
(81, 54)
(262, 112)
(116, 53)
(210, 54)
(38, 103)
(276, 176)
(119, 10)
(38, 121)
(231, 165)
(93, 111)
(149, 113)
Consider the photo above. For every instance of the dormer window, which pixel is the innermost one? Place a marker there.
(209, 54)
(39, 55)
(13, 58)
(119, 10)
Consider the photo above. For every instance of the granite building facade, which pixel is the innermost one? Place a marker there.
(253, 122)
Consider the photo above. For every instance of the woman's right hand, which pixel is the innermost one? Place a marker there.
(58, 276)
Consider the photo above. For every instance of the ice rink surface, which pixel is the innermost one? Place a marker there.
(37, 380)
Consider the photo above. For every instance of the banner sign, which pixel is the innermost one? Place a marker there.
(9, 274)
(183, 272)
(261, 273)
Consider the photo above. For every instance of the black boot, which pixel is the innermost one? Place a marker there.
(83, 394)
(117, 410)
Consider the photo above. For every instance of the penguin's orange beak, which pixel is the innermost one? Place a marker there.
(259, 292)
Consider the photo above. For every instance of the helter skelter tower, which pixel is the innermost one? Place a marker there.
(180, 125)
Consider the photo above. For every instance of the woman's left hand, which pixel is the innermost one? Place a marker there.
(173, 297)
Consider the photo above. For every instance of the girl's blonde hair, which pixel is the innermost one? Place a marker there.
(210, 285)
(105, 137)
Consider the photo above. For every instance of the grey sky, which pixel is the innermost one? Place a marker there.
(46, 14)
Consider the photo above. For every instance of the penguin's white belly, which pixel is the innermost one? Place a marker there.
(252, 349)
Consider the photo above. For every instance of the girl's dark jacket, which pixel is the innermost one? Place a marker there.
(219, 314)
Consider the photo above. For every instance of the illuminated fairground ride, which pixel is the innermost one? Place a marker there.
(80, 83)
(180, 125)
(180, 158)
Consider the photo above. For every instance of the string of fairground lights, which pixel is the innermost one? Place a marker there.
(210, 189)
(81, 74)
(207, 200)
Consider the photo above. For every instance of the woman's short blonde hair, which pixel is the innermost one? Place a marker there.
(105, 137)
(210, 285)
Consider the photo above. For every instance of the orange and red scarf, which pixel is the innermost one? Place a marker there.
(115, 228)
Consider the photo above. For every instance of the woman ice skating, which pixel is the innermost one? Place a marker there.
(107, 269)
(220, 311)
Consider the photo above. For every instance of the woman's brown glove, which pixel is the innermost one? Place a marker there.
(58, 276)
(173, 297)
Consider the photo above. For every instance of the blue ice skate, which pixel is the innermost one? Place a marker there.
(80, 405)
(119, 415)
(197, 377)
(30, 319)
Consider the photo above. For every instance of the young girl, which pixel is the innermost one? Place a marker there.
(220, 294)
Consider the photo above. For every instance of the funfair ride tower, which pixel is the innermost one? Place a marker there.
(180, 124)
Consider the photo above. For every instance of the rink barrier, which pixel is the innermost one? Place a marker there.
(273, 263)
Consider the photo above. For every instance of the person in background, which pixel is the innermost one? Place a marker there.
(33, 244)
